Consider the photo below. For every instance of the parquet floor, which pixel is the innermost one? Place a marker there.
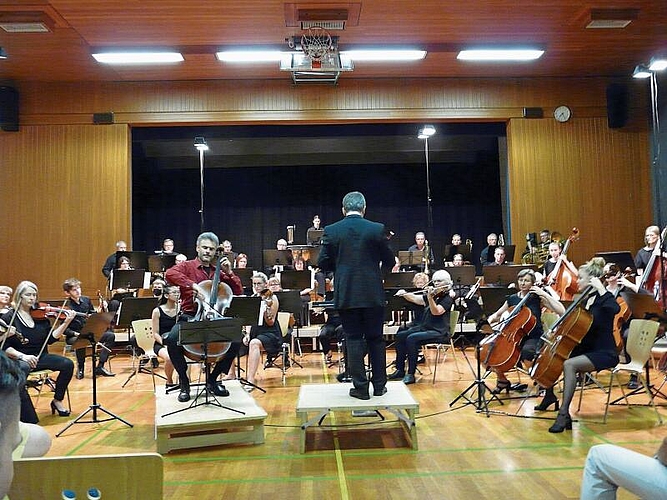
(462, 454)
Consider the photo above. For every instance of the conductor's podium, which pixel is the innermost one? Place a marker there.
(208, 425)
(319, 400)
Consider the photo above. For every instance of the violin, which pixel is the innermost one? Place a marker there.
(4, 328)
(44, 310)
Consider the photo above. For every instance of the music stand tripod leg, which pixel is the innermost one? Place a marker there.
(95, 407)
(481, 402)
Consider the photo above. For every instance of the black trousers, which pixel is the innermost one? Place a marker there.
(64, 366)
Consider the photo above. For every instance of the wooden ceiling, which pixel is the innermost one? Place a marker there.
(198, 29)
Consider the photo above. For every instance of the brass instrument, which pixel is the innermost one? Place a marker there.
(501, 240)
(426, 256)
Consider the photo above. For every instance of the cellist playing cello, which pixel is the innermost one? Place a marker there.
(540, 298)
(597, 350)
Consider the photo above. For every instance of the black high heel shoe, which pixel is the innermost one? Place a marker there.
(502, 385)
(548, 400)
(562, 422)
(61, 413)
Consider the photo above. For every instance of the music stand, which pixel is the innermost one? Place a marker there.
(138, 260)
(273, 257)
(91, 333)
(290, 301)
(245, 275)
(246, 310)
(396, 303)
(399, 280)
(205, 332)
(622, 259)
(464, 249)
(462, 275)
(509, 252)
(128, 279)
(411, 257)
(158, 264)
(295, 280)
(493, 298)
(314, 236)
(133, 308)
(505, 274)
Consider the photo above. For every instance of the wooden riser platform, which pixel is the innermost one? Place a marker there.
(208, 425)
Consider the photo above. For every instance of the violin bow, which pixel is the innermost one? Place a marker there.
(11, 323)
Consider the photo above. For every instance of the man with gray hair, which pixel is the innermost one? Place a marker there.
(357, 252)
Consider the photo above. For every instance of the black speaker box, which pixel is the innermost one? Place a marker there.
(617, 105)
(533, 112)
(9, 109)
(103, 118)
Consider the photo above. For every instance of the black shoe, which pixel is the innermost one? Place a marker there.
(143, 361)
(79, 373)
(519, 387)
(380, 392)
(61, 413)
(155, 362)
(548, 400)
(502, 385)
(633, 383)
(397, 375)
(409, 379)
(100, 370)
(217, 388)
(184, 395)
(562, 422)
(359, 394)
(344, 377)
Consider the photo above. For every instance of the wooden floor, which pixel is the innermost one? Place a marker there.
(462, 453)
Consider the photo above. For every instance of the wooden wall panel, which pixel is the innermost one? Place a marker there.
(579, 174)
(65, 202)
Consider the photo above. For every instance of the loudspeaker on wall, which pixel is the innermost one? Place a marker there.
(9, 109)
(617, 105)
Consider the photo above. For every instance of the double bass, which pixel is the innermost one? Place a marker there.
(213, 297)
(501, 349)
(565, 334)
(561, 279)
(654, 277)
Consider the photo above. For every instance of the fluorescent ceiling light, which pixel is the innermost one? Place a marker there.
(500, 54)
(384, 55)
(641, 71)
(130, 57)
(243, 56)
(658, 63)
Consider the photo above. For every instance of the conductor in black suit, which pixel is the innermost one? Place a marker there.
(354, 249)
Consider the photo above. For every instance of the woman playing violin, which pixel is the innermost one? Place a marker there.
(266, 335)
(526, 282)
(34, 355)
(597, 350)
(433, 327)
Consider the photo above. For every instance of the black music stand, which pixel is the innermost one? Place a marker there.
(399, 280)
(295, 280)
(158, 264)
(133, 308)
(314, 236)
(493, 298)
(91, 333)
(138, 260)
(464, 249)
(290, 301)
(205, 332)
(396, 303)
(127, 278)
(411, 257)
(245, 275)
(246, 310)
(273, 257)
(504, 275)
(623, 260)
(461, 275)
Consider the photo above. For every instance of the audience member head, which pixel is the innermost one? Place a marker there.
(11, 382)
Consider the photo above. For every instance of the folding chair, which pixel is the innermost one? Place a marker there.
(143, 333)
(445, 346)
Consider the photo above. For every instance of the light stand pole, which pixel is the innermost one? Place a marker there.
(424, 133)
(201, 146)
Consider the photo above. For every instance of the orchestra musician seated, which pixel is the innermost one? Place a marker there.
(110, 264)
(188, 276)
(266, 335)
(531, 342)
(555, 254)
(597, 350)
(491, 241)
(241, 261)
(167, 247)
(82, 304)
(498, 257)
(433, 327)
(35, 329)
(163, 319)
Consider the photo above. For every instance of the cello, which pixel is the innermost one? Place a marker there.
(654, 276)
(561, 279)
(565, 334)
(501, 349)
(213, 297)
